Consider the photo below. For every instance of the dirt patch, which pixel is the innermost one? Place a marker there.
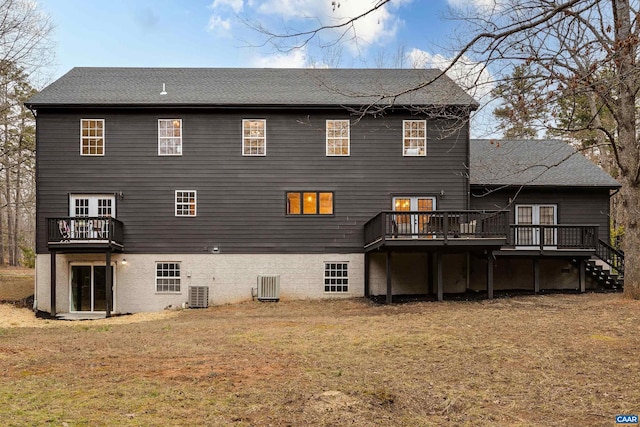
(550, 360)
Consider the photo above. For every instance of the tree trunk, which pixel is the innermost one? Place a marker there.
(626, 46)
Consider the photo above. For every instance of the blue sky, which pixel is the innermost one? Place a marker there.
(209, 33)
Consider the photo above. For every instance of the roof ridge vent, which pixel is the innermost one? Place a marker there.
(164, 91)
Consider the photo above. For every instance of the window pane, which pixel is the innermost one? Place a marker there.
(310, 206)
(253, 137)
(326, 203)
(293, 204)
(415, 141)
(92, 137)
(169, 137)
(337, 137)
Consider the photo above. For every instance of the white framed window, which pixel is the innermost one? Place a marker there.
(92, 137)
(254, 137)
(185, 203)
(169, 137)
(414, 142)
(167, 277)
(336, 277)
(338, 138)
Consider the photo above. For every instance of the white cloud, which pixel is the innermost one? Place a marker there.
(473, 76)
(478, 4)
(216, 23)
(235, 5)
(378, 26)
(295, 59)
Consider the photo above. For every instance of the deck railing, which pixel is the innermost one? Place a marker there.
(85, 230)
(436, 225)
(556, 236)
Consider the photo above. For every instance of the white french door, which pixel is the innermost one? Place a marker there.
(413, 224)
(536, 215)
(91, 205)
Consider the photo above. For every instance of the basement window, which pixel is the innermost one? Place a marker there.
(336, 277)
(168, 277)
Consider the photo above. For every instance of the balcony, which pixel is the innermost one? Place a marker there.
(436, 228)
(85, 234)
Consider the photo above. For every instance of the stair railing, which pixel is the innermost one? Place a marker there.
(612, 256)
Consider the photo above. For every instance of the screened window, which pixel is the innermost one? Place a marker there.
(167, 277)
(336, 277)
(185, 203)
(414, 142)
(170, 137)
(337, 137)
(92, 137)
(254, 139)
(309, 203)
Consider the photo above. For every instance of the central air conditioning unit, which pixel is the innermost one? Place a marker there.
(269, 288)
(198, 296)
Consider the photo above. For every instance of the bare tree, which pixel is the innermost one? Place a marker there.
(24, 35)
(24, 47)
(569, 44)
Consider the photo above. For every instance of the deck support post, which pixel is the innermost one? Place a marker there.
(108, 283)
(430, 273)
(53, 284)
(389, 288)
(439, 276)
(367, 292)
(490, 275)
(536, 275)
(583, 276)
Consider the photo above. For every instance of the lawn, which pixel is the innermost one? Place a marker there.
(553, 360)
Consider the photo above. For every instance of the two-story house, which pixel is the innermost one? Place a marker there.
(155, 186)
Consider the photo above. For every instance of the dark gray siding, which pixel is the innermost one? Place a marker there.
(575, 205)
(241, 200)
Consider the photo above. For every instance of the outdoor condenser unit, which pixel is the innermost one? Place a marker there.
(198, 296)
(268, 288)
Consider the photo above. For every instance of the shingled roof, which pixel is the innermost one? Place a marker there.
(249, 87)
(533, 163)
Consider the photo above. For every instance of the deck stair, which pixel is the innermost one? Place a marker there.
(606, 267)
(603, 274)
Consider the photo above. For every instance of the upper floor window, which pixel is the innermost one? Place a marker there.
(254, 139)
(169, 137)
(414, 142)
(185, 203)
(337, 137)
(309, 203)
(92, 137)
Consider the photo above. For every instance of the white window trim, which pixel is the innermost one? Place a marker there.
(104, 144)
(181, 134)
(404, 124)
(157, 277)
(264, 138)
(324, 269)
(93, 202)
(195, 203)
(348, 138)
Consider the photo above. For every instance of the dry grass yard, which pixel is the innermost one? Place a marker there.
(555, 360)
